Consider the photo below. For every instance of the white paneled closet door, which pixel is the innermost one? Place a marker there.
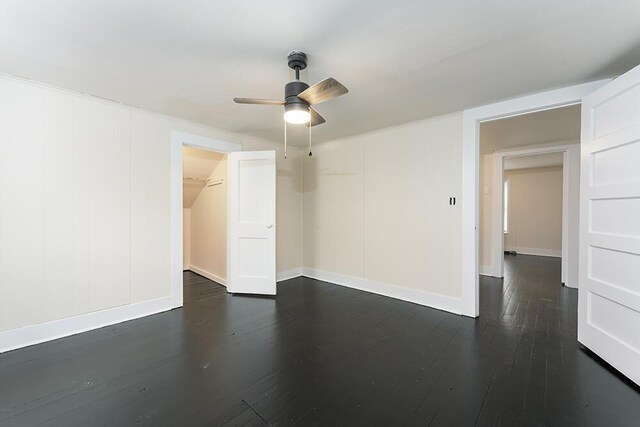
(609, 288)
(251, 219)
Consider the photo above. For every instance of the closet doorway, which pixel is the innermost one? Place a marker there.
(204, 215)
(229, 229)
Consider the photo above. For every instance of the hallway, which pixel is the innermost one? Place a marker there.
(320, 354)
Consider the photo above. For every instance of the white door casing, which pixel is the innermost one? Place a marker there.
(570, 208)
(178, 140)
(609, 271)
(251, 261)
(471, 120)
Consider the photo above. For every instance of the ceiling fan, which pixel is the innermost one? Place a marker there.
(299, 97)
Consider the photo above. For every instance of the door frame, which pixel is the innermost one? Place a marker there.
(570, 212)
(179, 140)
(471, 119)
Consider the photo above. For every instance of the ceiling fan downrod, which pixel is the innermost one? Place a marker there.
(297, 61)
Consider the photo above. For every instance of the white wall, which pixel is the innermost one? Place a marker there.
(486, 210)
(377, 213)
(85, 204)
(209, 228)
(535, 211)
(186, 238)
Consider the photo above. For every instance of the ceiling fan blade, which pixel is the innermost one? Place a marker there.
(258, 101)
(323, 91)
(316, 118)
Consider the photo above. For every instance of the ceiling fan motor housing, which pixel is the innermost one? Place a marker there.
(292, 90)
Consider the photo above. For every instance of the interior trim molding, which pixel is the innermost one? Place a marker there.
(440, 302)
(288, 274)
(42, 332)
(485, 270)
(178, 140)
(208, 275)
(556, 253)
(280, 276)
(570, 173)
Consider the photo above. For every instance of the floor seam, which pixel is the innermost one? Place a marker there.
(256, 412)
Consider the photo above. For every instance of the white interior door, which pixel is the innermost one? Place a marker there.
(609, 287)
(251, 253)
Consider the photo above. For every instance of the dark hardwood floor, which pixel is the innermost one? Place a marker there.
(320, 354)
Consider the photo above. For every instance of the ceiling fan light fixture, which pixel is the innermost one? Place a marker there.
(297, 114)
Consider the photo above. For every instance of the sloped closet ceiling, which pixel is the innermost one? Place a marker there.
(197, 166)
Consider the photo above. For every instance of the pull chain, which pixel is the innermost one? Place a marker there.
(285, 139)
(310, 153)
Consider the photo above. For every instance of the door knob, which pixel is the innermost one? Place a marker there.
(270, 225)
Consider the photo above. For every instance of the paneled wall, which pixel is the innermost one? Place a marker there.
(377, 213)
(85, 203)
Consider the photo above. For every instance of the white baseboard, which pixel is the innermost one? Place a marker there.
(441, 302)
(484, 270)
(288, 274)
(186, 267)
(557, 253)
(280, 276)
(208, 275)
(34, 334)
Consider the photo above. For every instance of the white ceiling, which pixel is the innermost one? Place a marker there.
(401, 60)
(541, 128)
(196, 164)
(534, 161)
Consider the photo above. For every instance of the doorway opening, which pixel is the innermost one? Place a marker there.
(250, 245)
(529, 190)
(471, 121)
(204, 195)
(605, 308)
(532, 205)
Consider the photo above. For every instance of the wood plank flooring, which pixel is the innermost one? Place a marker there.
(321, 354)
